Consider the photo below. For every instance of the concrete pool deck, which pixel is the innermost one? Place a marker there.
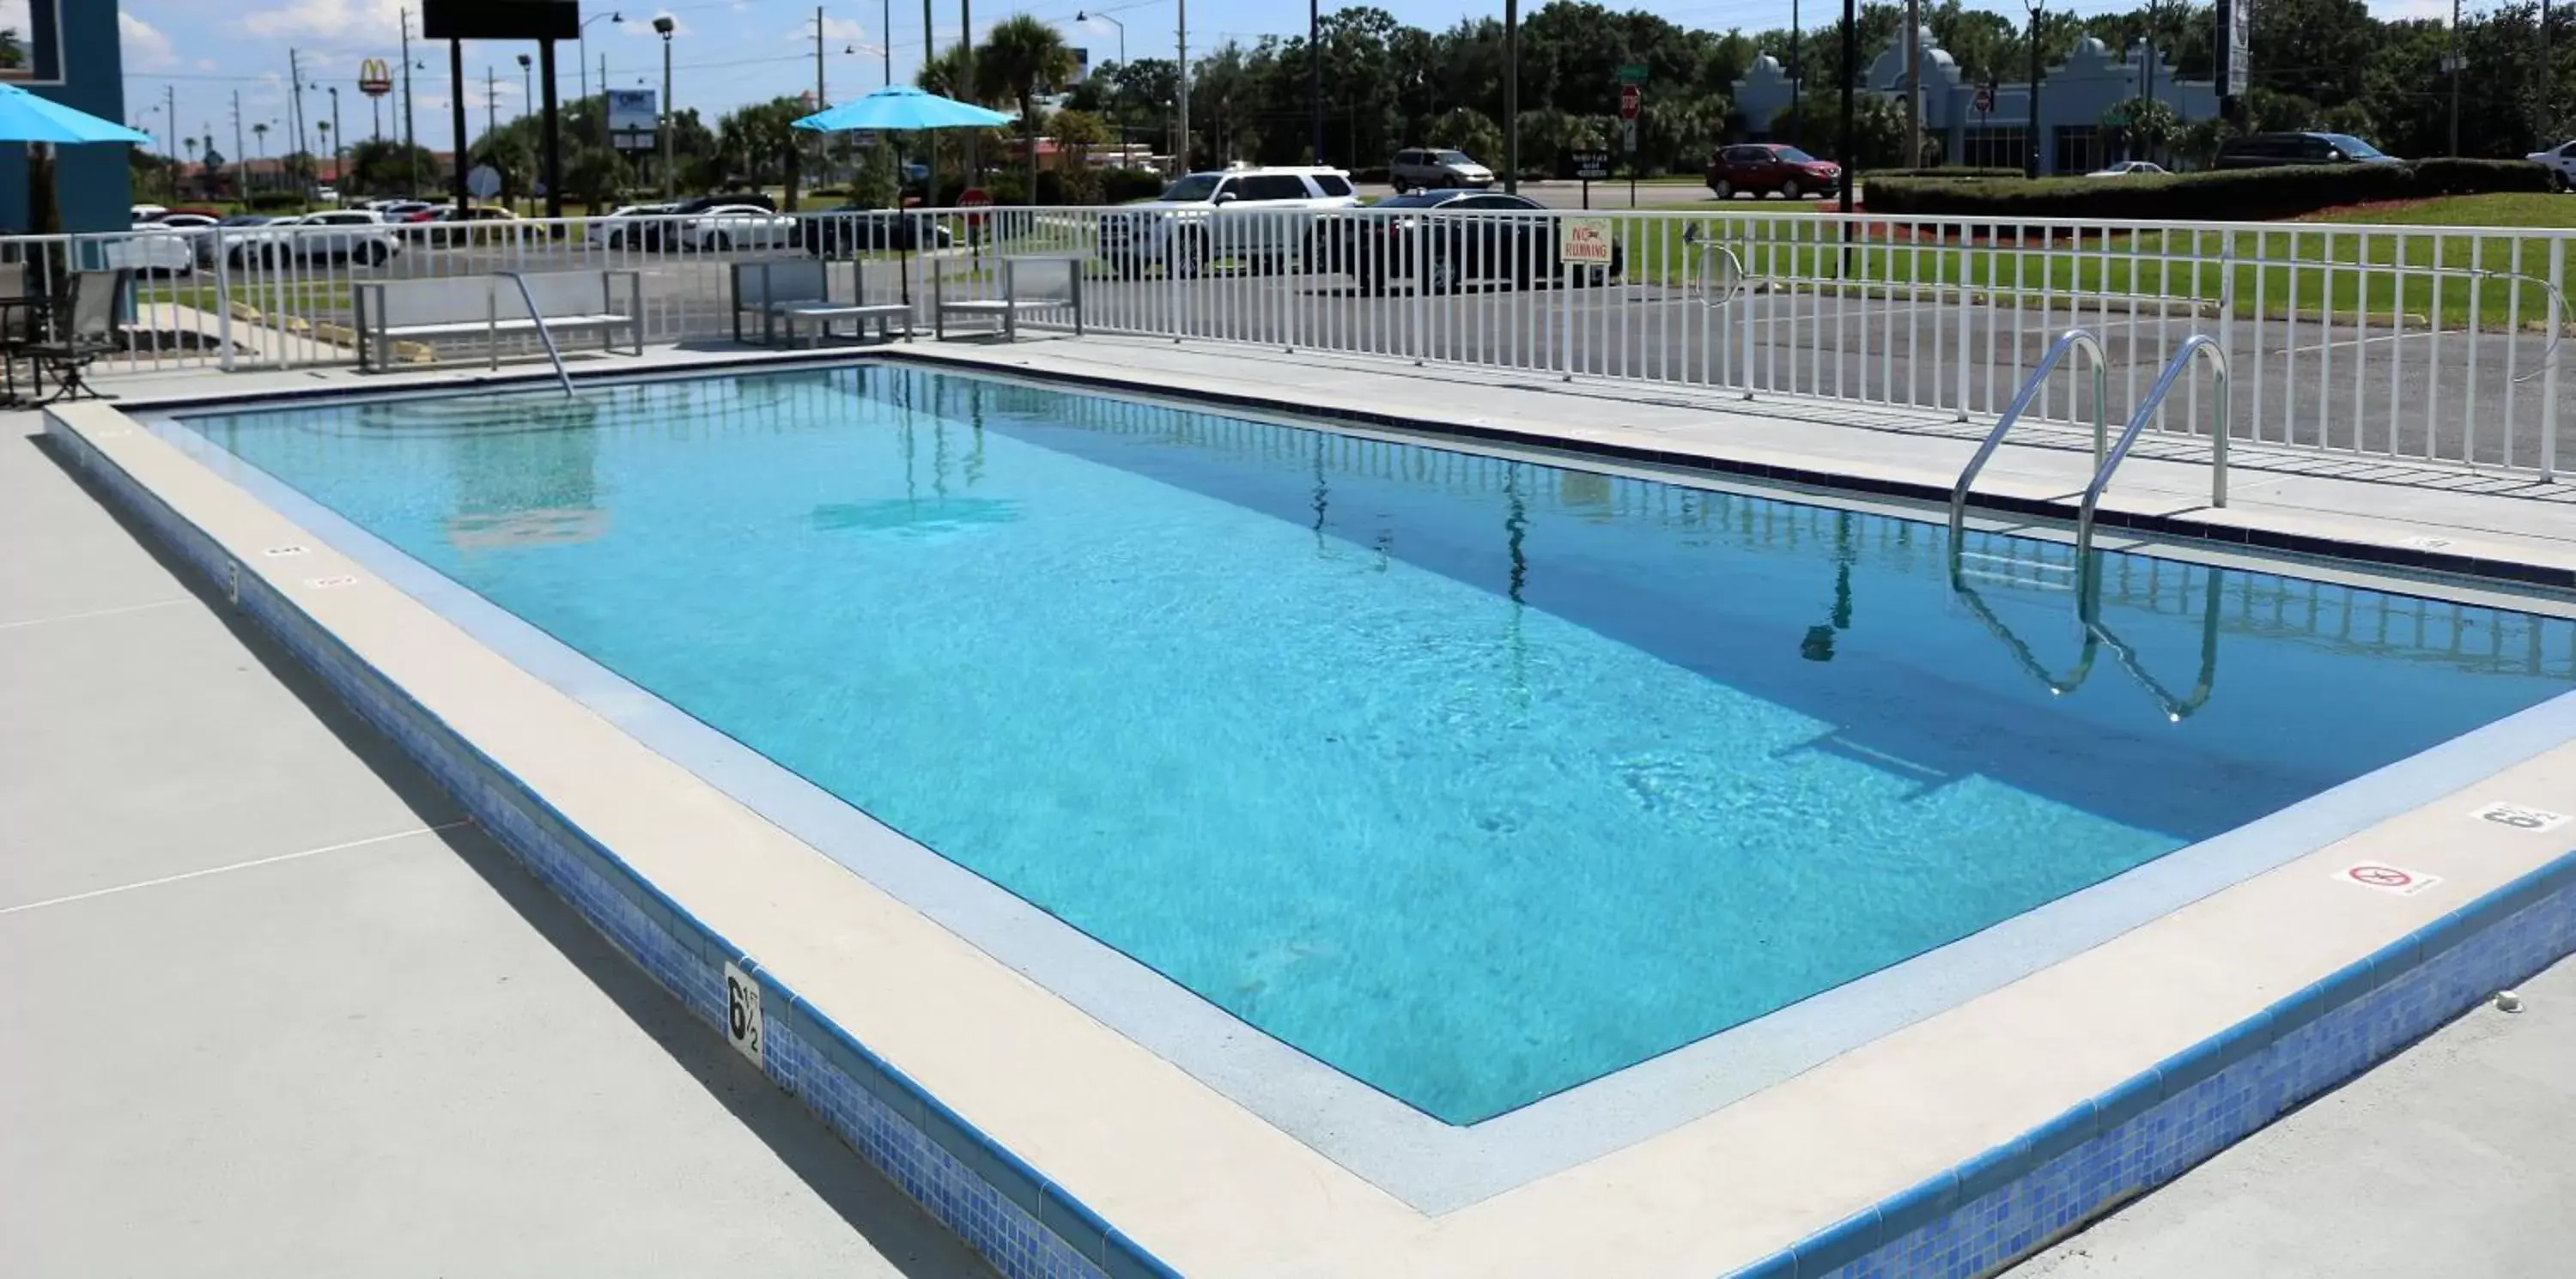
(1724, 1190)
(283, 1011)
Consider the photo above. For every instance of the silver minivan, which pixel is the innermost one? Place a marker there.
(1430, 168)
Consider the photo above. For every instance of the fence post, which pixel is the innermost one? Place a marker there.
(1966, 273)
(2549, 371)
(223, 303)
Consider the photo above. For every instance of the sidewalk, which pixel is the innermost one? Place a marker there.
(281, 1012)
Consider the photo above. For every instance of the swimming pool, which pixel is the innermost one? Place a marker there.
(1473, 778)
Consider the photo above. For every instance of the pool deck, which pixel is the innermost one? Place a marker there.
(1212, 1189)
(282, 1011)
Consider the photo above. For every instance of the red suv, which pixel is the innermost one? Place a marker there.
(1756, 167)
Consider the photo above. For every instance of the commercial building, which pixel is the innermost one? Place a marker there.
(2074, 97)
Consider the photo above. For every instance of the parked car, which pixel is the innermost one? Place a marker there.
(2561, 163)
(445, 228)
(327, 194)
(1445, 241)
(152, 250)
(1426, 169)
(668, 232)
(336, 235)
(2128, 169)
(148, 212)
(1757, 167)
(852, 229)
(2272, 150)
(1247, 214)
(619, 227)
(398, 210)
(737, 226)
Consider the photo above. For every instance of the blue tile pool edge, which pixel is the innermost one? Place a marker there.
(1016, 1217)
(1998, 1208)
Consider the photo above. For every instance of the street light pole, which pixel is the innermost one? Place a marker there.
(411, 147)
(337, 177)
(1797, 78)
(670, 112)
(1181, 145)
(2451, 63)
(527, 87)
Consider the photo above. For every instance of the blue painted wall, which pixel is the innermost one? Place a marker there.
(90, 181)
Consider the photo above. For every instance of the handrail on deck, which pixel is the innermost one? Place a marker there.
(529, 296)
(2072, 339)
(2198, 346)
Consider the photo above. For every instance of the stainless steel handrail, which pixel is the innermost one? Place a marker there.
(2072, 339)
(538, 317)
(2196, 347)
(2089, 610)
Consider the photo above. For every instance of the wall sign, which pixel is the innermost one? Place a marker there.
(742, 1012)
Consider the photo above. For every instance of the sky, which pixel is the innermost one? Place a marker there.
(724, 52)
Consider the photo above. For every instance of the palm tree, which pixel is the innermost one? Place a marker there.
(1022, 56)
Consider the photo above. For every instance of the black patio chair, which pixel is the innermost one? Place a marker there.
(84, 331)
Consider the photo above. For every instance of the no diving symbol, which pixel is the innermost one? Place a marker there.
(2388, 879)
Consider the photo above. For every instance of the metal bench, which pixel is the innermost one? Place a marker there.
(793, 289)
(486, 306)
(1008, 307)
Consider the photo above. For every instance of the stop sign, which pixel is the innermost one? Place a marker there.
(1631, 99)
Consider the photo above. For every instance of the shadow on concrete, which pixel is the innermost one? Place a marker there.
(900, 1231)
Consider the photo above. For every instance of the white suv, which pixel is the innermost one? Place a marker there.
(1263, 218)
(2561, 163)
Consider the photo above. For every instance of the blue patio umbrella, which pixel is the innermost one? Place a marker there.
(904, 108)
(25, 117)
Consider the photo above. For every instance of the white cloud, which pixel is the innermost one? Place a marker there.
(205, 64)
(146, 49)
(327, 18)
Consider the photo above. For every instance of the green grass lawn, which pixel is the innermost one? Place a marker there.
(2299, 266)
(268, 294)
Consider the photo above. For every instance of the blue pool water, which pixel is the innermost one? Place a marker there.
(1475, 779)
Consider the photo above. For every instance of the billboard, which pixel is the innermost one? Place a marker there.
(33, 51)
(501, 19)
(2235, 46)
(375, 79)
(631, 119)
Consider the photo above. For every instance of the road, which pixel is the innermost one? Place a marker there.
(1604, 195)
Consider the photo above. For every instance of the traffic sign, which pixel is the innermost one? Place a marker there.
(1591, 166)
(1985, 99)
(1633, 73)
(483, 182)
(1628, 136)
(1631, 100)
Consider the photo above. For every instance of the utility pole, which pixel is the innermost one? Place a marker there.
(885, 42)
(2032, 166)
(491, 103)
(2451, 63)
(1913, 84)
(241, 154)
(1181, 160)
(550, 126)
(966, 72)
(930, 145)
(1315, 78)
(295, 102)
(1850, 141)
(336, 139)
(1797, 78)
(820, 101)
(1512, 96)
(411, 146)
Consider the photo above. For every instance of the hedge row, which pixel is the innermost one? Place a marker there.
(1954, 173)
(2228, 195)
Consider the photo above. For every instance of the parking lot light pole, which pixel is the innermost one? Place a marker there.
(1511, 96)
(670, 112)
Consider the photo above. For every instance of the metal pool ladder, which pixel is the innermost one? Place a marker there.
(538, 318)
(2107, 455)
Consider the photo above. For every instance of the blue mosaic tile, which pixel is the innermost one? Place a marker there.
(2027, 1194)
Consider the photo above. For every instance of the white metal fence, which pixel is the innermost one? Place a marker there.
(2426, 344)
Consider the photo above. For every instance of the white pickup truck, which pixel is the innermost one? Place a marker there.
(2561, 163)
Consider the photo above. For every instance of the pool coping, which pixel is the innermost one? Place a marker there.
(104, 448)
(1433, 1166)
